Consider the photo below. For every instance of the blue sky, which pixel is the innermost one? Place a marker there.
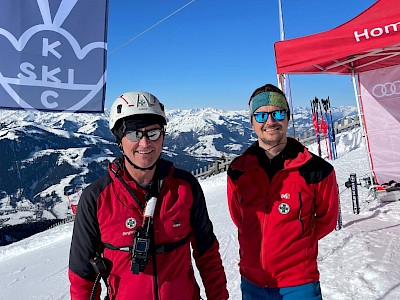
(214, 53)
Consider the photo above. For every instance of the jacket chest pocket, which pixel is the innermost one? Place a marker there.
(120, 226)
(173, 224)
(295, 205)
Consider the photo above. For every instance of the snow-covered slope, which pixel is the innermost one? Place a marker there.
(359, 262)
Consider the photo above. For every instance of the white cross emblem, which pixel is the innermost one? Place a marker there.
(284, 208)
(130, 223)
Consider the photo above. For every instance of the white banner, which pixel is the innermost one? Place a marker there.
(53, 54)
(380, 99)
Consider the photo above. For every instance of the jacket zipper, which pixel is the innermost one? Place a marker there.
(263, 227)
(117, 175)
(299, 213)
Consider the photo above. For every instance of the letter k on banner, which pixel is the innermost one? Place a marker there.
(53, 55)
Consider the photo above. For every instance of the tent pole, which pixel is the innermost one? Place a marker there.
(284, 85)
(281, 83)
(361, 118)
(357, 94)
(285, 80)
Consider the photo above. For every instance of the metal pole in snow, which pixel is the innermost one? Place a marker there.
(285, 79)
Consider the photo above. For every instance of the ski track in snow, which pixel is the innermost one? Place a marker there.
(359, 262)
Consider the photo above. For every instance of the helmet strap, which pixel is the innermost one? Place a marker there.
(140, 168)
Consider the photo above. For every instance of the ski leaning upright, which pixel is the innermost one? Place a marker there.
(324, 130)
(328, 112)
(339, 223)
(314, 110)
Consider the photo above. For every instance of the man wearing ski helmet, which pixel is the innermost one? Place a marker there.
(133, 111)
(283, 199)
(136, 225)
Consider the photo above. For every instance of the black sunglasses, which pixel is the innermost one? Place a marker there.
(152, 134)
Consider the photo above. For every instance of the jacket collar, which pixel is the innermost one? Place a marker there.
(294, 154)
(163, 168)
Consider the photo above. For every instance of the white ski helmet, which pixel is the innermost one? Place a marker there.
(135, 103)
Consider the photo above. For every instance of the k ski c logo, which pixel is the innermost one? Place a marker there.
(53, 60)
(285, 196)
(386, 89)
(284, 208)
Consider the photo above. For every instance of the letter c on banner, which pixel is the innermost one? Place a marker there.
(45, 96)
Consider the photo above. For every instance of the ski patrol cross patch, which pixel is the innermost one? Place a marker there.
(130, 223)
(284, 208)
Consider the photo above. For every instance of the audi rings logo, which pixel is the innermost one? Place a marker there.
(386, 89)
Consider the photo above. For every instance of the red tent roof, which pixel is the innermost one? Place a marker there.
(369, 41)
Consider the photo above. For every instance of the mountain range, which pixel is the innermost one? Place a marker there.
(47, 158)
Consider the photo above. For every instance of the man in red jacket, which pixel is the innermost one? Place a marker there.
(283, 199)
(136, 225)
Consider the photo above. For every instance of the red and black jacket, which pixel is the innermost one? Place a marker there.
(280, 220)
(109, 214)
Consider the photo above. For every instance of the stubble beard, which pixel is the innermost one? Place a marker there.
(271, 141)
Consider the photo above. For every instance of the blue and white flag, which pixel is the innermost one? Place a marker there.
(53, 55)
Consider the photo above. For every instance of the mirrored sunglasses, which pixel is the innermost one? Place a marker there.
(277, 115)
(136, 135)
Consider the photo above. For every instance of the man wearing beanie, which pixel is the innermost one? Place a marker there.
(283, 199)
(137, 226)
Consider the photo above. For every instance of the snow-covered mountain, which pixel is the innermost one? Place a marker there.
(47, 158)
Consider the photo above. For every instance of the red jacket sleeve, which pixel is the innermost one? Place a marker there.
(80, 288)
(326, 206)
(212, 273)
(233, 202)
(85, 243)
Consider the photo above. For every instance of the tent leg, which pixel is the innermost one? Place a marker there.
(360, 117)
(284, 85)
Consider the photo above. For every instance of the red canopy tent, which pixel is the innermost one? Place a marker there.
(368, 42)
